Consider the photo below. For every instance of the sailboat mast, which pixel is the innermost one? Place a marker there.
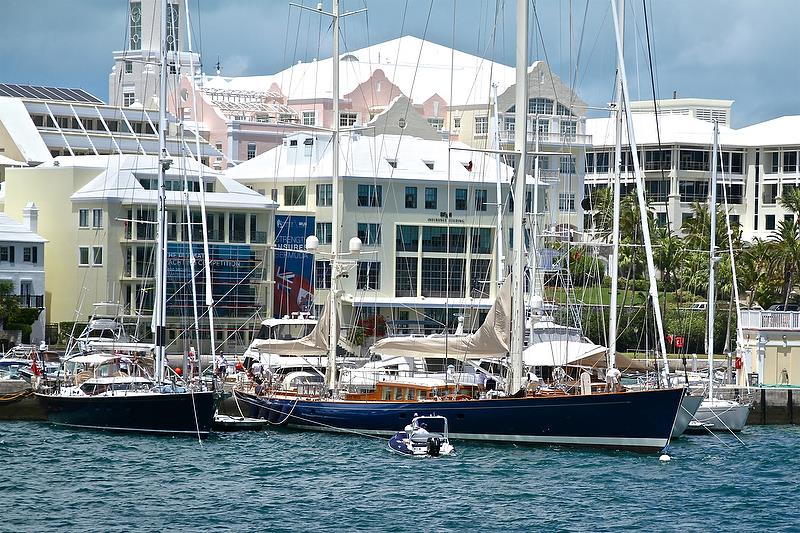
(501, 259)
(159, 307)
(520, 140)
(613, 268)
(712, 213)
(330, 371)
(648, 245)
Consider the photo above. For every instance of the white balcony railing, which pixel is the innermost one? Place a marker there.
(781, 320)
(549, 138)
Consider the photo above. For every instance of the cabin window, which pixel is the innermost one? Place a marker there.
(410, 394)
(421, 394)
(386, 393)
(398, 393)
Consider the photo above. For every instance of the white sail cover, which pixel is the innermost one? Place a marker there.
(313, 344)
(490, 340)
(560, 353)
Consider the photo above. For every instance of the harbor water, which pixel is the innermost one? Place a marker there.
(58, 479)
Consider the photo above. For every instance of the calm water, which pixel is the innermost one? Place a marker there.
(59, 479)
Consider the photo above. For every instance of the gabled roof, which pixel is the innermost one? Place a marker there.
(781, 131)
(419, 68)
(13, 231)
(117, 179)
(372, 157)
(17, 122)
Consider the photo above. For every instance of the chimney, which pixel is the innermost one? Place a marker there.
(674, 95)
(30, 217)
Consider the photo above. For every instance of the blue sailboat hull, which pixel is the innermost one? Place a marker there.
(640, 421)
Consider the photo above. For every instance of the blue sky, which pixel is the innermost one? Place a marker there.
(736, 49)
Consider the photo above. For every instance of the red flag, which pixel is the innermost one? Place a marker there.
(35, 367)
(468, 166)
(669, 340)
(679, 342)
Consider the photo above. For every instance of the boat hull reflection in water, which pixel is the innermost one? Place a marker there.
(171, 413)
(639, 421)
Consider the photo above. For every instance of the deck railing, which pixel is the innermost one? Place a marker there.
(785, 320)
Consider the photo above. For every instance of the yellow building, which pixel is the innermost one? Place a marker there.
(98, 214)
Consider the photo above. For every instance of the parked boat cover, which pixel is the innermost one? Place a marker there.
(313, 344)
(492, 339)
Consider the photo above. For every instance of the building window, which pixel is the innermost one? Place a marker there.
(789, 162)
(442, 277)
(770, 193)
(569, 131)
(251, 150)
(172, 27)
(481, 240)
(322, 275)
(129, 67)
(480, 277)
(97, 218)
(370, 196)
(564, 111)
(347, 119)
(370, 234)
(324, 232)
(461, 199)
(237, 227)
(273, 194)
(324, 195)
(481, 125)
(457, 123)
(405, 280)
(601, 162)
(407, 239)
(369, 275)
(83, 255)
(309, 118)
(97, 255)
(567, 164)
(83, 218)
(30, 254)
(693, 191)
(694, 160)
(481, 198)
(128, 98)
(436, 123)
(657, 190)
(136, 26)
(430, 197)
(770, 222)
(771, 162)
(540, 106)
(566, 202)
(294, 195)
(509, 124)
(411, 197)
(657, 160)
(437, 239)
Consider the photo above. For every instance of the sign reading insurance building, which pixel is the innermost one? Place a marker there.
(294, 270)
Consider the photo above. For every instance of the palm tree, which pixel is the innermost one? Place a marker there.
(787, 253)
(755, 269)
(791, 200)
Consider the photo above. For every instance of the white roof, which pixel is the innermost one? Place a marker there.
(117, 180)
(779, 131)
(8, 162)
(13, 231)
(22, 131)
(419, 68)
(673, 129)
(363, 156)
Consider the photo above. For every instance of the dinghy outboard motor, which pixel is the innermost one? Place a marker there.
(434, 446)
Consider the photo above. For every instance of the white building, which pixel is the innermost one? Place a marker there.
(427, 217)
(22, 263)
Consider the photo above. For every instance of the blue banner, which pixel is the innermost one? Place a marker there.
(294, 271)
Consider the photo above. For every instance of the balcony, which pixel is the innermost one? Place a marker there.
(31, 301)
(774, 320)
(507, 136)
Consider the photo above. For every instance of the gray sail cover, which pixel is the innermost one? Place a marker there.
(492, 339)
(313, 344)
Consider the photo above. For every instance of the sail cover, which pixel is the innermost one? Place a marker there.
(490, 340)
(313, 344)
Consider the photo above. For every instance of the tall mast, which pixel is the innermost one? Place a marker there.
(159, 307)
(648, 245)
(712, 213)
(501, 259)
(520, 140)
(330, 371)
(613, 267)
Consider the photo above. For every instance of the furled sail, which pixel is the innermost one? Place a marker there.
(490, 340)
(313, 344)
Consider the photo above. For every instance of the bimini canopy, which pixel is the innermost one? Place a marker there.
(313, 344)
(490, 340)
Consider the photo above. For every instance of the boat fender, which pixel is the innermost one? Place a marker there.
(665, 458)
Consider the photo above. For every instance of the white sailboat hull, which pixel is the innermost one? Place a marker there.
(723, 415)
(689, 407)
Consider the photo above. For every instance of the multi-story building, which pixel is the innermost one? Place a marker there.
(427, 217)
(758, 164)
(22, 263)
(98, 215)
(39, 123)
